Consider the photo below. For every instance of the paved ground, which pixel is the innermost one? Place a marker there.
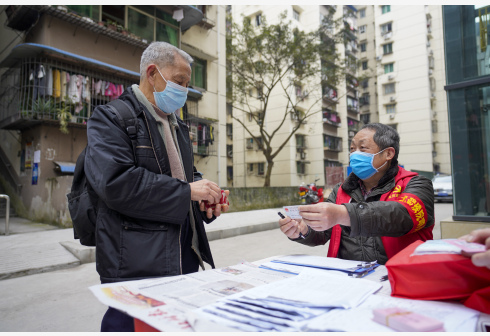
(59, 300)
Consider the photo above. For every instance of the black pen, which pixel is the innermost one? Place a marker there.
(282, 216)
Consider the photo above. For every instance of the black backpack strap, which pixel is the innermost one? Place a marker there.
(127, 119)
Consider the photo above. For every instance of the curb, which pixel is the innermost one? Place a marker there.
(86, 254)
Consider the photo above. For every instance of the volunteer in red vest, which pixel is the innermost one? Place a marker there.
(377, 211)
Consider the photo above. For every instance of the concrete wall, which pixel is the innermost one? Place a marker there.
(46, 201)
(243, 199)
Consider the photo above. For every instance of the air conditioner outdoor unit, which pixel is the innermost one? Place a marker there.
(392, 99)
(431, 52)
(303, 156)
(250, 146)
(392, 116)
(230, 154)
(391, 77)
(430, 72)
(378, 58)
(433, 96)
(387, 36)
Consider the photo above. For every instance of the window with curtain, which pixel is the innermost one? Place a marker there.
(385, 9)
(387, 48)
(388, 68)
(167, 34)
(198, 76)
(153, 24)
(141, 24)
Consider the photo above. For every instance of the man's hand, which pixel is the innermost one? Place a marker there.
(481, 236)
(323, 216)
(291, 228)
(205, 190)
(219, 207)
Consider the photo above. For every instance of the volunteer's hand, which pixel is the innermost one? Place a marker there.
(205, 190)
(219, 207)
(291, 228)
(481, 236)
(322, 216)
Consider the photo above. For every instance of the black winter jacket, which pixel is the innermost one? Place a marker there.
(141, 207)
(371, 218)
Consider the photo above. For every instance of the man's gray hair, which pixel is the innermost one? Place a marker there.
(161, 54)
(385, 136)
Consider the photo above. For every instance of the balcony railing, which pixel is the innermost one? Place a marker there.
(45, 90)
(331, 118)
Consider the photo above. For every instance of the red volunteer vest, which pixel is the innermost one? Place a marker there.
(412, 203)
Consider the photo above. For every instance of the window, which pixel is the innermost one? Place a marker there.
(391, 108)
(250, 143)
(388, 67)
(385, 9)
(229, 151)
(363, 46)
(362, 13)
(298, 90)
(362, 29)
(198, 75)
(364, 65)
(386, 28)
(387, 48)
(389, 88)
(300, 168)
(229, 130)
(365, 118)
(365, 83)
(113, 13)
(229, 172)
(91, 11)
(260, 168)
(152, 24)
(364, 100)
(251, 167)
(394, 126)
(300, 141)
(260, 92)
(295, 15)
(258, 20)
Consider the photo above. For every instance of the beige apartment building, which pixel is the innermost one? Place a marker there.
(319, 149)
(402, 47)
(99, 47)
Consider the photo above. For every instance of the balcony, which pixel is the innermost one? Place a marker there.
(26, 100)
(332, 143)
(332, 118)
(330, 95)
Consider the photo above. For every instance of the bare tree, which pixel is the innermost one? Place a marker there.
(280, 58)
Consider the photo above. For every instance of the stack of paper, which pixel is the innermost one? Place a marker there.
(351, 267)
(288, 304)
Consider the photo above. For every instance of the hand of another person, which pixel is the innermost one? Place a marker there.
(205, 190)
(291, 228)
(481, 236)
(323, 216)
(218, 210)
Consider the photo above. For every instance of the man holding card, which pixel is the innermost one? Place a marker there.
(376, 212)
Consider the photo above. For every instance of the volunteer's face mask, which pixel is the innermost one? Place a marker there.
(172, 98)
(362, 164)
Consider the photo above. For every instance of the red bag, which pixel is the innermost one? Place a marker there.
(439, 277)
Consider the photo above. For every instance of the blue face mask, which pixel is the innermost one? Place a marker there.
(362, 164)
(172, 98)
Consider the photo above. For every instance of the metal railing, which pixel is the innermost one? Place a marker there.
(7, 213)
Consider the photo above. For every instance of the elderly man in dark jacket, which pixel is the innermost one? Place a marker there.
(377, 211)
(150, 214)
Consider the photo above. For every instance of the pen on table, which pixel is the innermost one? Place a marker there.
(282, 216)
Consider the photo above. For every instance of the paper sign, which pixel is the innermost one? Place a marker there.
(37, 156)
(292, 211)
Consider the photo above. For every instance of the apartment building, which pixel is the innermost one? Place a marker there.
(319, 149)
(402, 49)
(57, 63)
